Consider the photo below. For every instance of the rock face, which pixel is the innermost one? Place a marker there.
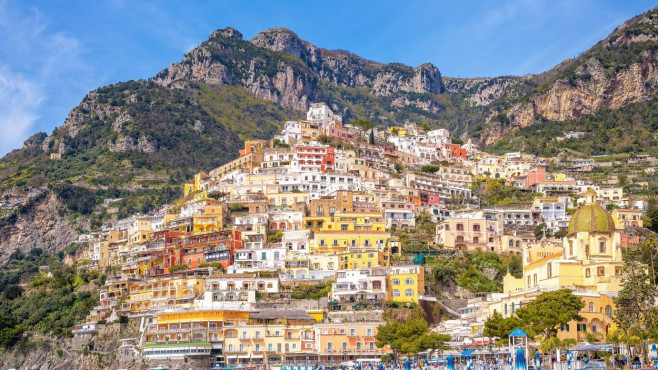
(293, 82)
(40, 227)
(620, 70)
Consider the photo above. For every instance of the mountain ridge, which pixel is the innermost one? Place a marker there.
(149, 136)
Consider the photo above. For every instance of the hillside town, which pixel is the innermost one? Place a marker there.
(297, 251)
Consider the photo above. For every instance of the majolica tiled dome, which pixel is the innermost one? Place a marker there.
(591, 217)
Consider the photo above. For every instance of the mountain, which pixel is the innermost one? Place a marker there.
(137, 141)
(610, 87)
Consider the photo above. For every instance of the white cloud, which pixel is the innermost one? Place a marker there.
(19, 101)
(36, 63)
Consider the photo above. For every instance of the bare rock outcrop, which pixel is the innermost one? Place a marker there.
(41, 226)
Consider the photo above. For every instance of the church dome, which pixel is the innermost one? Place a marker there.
(591, 217)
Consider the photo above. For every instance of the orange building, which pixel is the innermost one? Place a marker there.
(251, 146)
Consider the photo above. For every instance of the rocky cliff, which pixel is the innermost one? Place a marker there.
(39, 225)
(278, 66)
(616, 72)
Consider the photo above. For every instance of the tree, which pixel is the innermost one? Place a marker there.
(544, 316)
(622, 179)
(399, 168)
(456, 140)
(635, 313)
(651, 215)
(217, 195)
(363, 124)
(409, 337)
(560, 233)
(371, 140)
(275, 238)
(498, 326)
(541, 230)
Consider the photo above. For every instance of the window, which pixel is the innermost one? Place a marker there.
(330, 346)
(395, 282)
(409, 293)
(581, 327)
(565, 327)
(344, 346)
(395, 293)
(618, 270)
(600, 271)
(602, 246)
(369, 332)
(270, 348)
(353, 332)
(549, 270)
(343, 227)
(608, 311)
(409, 281)
(587, 273)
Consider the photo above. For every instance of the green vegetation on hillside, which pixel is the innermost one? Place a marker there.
(30, 300)
(474, 271)
(629, 129)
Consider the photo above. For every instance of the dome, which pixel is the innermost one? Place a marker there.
(591, 217)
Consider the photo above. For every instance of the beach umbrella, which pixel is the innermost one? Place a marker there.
(469, 361)
(359, 367)
(568, 359)
(228, 367)
(450, 363)
(218, 367)
(407, 364)
(520, 360)
(285, 367)
(653, 353)
(537, 360)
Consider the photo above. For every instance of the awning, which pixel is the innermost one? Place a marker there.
(466, 352)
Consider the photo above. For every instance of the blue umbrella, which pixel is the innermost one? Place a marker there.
(359, 367)
(538, 360)
(568, 358)
(407, 364)
(450, 363)
(470, 362)
(285, 367)
(520, 360)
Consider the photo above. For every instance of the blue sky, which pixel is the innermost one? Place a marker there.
(52, 52)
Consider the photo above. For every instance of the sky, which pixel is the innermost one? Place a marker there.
(53, 52)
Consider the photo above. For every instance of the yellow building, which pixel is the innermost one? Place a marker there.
(406, 283)
(139, 231)
(270, 336)
(178, 289)
(348, 230)
(357, 258)
(177, 335)
(627, 217)
(589, 262)
(211, 218)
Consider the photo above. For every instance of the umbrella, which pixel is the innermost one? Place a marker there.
(285, 367)
(218, 367)
(568, 359)
(239, 367)
(407, 364)
(359, 367)
(537, 360)
(450, 362)
(469, 360)
(228, 367)
(520, 360)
